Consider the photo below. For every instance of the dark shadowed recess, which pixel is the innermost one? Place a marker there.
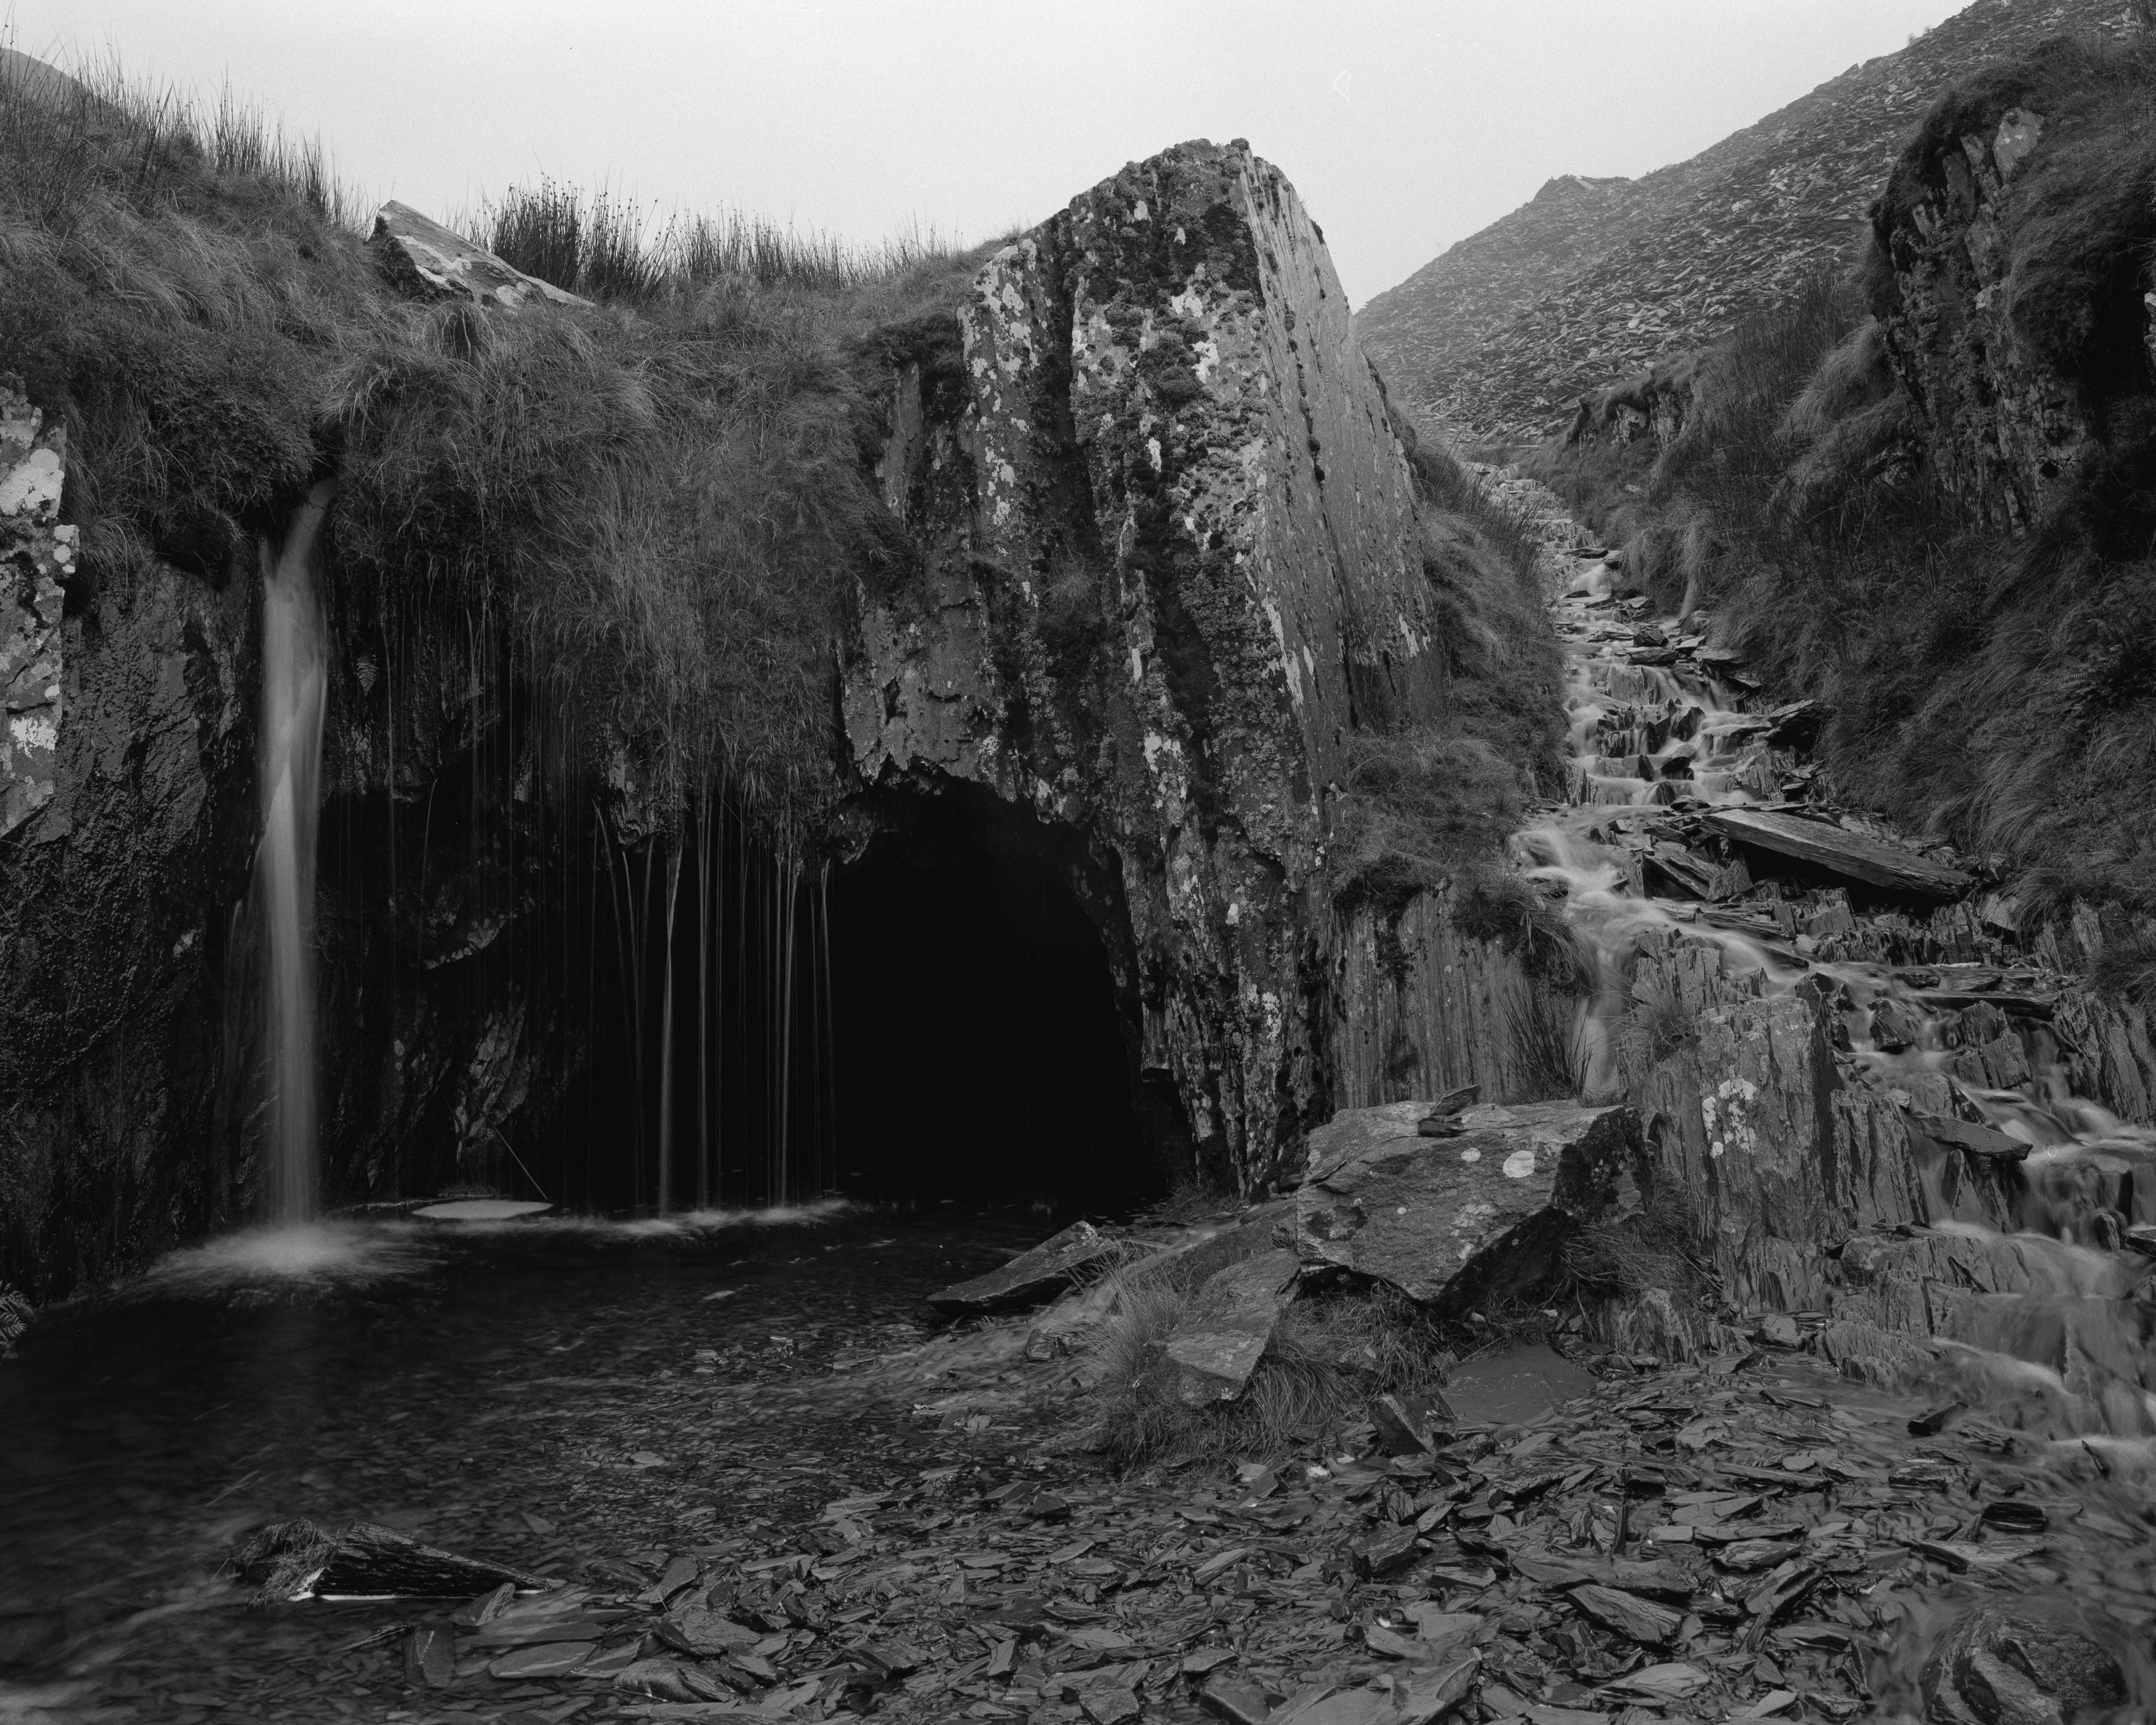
(982, 1043)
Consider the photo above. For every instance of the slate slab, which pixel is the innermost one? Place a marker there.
(1449, 1221)
(1031, 1276)
(1513, 1386)
(1854, 855)
(1221, 1336)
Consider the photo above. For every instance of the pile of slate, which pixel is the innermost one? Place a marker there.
(1749, 1537)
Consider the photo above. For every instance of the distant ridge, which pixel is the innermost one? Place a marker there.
(1595, 278)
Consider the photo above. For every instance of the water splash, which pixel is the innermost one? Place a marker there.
(294, 690)
(308, 1257)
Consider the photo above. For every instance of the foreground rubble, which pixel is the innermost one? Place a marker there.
(762, 1507)
(1744, 1537)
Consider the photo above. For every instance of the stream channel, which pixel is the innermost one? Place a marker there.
(755, 1414)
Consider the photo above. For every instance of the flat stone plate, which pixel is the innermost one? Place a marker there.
(481, 1210)
(1515, 1386)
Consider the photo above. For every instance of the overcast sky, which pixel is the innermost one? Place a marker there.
(1406, 124)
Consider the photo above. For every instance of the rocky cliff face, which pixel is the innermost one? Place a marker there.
(1593, 279)
(127, 786)
(1167, 566)
(2011, 292)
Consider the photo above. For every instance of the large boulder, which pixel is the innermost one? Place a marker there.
(1453, 1221)
(1170, 561)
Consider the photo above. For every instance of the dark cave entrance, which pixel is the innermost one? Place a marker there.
(982, 1049)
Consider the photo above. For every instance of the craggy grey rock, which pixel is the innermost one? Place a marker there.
(2029, 1662)
(1050, 1266)
(39, 555)
(1452, 1220)
(1169, 560)
(2005, 427)
(1781, 1155)
(439, 263)
(1220, 1337)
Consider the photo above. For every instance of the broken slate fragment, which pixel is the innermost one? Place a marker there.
(1407, 1424)
(1628, 1614)
(555, 1659)
(1452, 1221)
(1109, 1703)
(430, 1656)
(1219, 1340)
(299, 1560)
(1031, 1276)
(1853, 855)
(1513, 1386)
(1977, 1139)
(1235, 1701)
(705, 1634)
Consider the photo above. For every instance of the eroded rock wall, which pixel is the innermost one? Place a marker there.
(1423, 1009)
(1167, 564)
(117, 890)
(2012, 304)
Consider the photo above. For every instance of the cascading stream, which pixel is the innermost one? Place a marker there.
(294, 691)
(1662, 733)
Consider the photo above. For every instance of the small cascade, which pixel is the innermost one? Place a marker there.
(2035, 1248)
(294, 689)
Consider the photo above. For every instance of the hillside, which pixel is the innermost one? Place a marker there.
(1481, 338)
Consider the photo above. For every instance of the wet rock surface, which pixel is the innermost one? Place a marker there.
(1481, 1214)
(756, 1511)
(1904, 1136)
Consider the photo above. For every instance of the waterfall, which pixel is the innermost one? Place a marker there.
(294, 688)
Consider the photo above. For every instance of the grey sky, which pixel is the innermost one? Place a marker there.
(973, 114)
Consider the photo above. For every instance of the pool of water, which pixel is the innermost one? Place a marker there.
(533, 1392)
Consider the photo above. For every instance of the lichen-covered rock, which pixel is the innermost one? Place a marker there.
(39, 555)
(439, 263)
(1774, 1148)
(1452, 1220)
(1169, 564)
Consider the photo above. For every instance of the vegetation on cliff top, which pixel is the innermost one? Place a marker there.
(1996, 689)
(660, 498)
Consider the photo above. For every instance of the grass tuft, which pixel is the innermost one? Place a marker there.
(1331, 1352)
